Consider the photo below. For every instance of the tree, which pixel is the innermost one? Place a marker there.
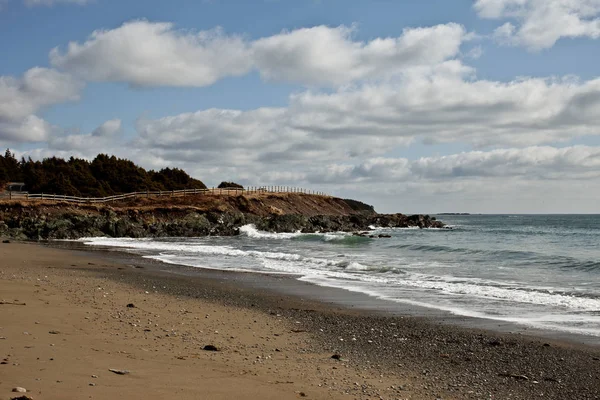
(225, 185)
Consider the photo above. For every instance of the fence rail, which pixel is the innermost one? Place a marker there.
(163, 193)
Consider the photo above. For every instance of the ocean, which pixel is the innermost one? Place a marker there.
(539, 271)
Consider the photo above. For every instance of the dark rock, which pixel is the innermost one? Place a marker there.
(210, 347)
(34, 223)
(119, 371)
(336, 357)
(130, 305)
(6, 241)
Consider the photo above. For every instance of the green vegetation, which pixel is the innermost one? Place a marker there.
(226, 185)
(104, 176)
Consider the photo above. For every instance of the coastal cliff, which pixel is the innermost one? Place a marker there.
(201, 215)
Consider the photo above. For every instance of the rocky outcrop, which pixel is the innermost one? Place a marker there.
(211, 218)
(32, 224)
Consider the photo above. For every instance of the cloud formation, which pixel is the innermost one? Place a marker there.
(532, 163)
(21, 98)
(144, 53)
(541, 23)
(329, 56)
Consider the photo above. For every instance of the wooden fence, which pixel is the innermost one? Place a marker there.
(147, 194)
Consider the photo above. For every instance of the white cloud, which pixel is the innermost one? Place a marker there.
(21, 98)
(28, 129)
(142, 53)
(108, 128)
(328, 56)
(541, 23)
(447, 108)
(530, 163)
(444, 104)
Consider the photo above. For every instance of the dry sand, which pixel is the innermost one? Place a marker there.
(76, 325)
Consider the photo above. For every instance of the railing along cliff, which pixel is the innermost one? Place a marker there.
(163, 193)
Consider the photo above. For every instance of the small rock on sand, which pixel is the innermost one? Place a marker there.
(210, 347)
(119, 371)
(19, 389)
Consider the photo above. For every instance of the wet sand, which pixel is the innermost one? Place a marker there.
(75, 325)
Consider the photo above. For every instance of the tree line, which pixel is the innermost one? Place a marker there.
(104, 176)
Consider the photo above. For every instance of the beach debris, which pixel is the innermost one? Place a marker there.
(19, 389)
(210, 347)
(130, 305)
(13, 303)
(54, 332)
(94, 376)
(119, 371)
(336, 357)
(514, 376)
(6, 241)
(24, 397)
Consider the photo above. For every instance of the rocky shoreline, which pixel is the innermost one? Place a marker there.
(39, 222)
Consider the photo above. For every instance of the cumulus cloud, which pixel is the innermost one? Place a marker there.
(443, 104)
(537, 163)
(447, 108)
(88, 144)
(329, 56)
(142, 53)
(541, 23)
(21, 98)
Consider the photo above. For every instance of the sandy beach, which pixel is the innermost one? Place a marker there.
(67, 318)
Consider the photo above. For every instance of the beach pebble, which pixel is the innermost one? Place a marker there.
(130, 305)
(119, 371)
(19, 389)
(210, 347)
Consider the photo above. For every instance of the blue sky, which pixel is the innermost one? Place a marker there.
(413, 106)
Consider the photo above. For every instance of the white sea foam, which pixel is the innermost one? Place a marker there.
(434, 283)
(251, 231)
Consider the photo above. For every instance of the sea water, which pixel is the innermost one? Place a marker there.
(541, 271)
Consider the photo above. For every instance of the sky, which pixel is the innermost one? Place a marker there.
(414, 106)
